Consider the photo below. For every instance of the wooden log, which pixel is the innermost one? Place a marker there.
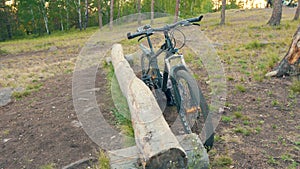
(290, 59)
(129, 158)
(156, 144)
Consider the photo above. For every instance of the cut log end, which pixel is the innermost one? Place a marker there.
(172, 158)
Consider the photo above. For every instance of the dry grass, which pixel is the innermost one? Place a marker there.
(249, 47)
(29, 60)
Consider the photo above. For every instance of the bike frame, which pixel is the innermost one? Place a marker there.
(161, 81)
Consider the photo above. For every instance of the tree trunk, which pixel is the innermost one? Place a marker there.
(276, 14)
(86, 14)
(119, 9)
(45, 16)
(223, 12)
(79, 15)
(291, 59)
(152, 11)
(100, 14)
(33, 20)
(111, 14)
(177, 10)
(296, 17)
(61, 19)
(67, 11)
(139, 11)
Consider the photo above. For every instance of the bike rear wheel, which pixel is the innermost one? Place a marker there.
(190, 103)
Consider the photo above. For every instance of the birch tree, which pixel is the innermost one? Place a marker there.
(152, 11)
(44, 14)
(223, 12)
(100, 14)
(86, 14)
(139, 11)
(111, 17)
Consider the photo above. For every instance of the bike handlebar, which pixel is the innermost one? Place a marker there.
(150, 31)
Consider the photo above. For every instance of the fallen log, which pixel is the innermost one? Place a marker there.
(129, 157)
(156, 144)
(290, 62)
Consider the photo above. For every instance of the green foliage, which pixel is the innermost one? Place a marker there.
(103, 161)
(121, 110)
(233, 5)
(226, 119)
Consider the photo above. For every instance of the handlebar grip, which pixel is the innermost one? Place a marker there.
(131, 36)
(195, 19)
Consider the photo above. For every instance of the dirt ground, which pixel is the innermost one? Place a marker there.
(261, 131)
(41, 130)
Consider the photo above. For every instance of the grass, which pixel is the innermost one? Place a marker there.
(241, 88)
(121, 110)
(245, 50)
(33, 87)
(295, 87)
(226, 119)
(48, 166)
(103, 161)
(222, 161)
(243, 130)
(254, 45)
(34, 61)
(272, 161)
(21, 94)
(238, 114)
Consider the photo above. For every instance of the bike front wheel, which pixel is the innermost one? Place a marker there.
(191, 104)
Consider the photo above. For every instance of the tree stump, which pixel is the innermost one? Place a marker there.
(290, 63)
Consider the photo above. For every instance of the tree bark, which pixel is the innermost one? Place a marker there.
(119, 4)
(296, 17)
(100, 14)
(276, 14)
(152, 11)
(139, 11)
(45, 16)
(111, 14)
(223, 12)
(86, 14)
(177, 10)
(157, 145)
(67, 11)
(288, 63)
(61, 21)
(79, 15)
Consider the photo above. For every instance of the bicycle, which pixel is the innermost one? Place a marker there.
(177, 83)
